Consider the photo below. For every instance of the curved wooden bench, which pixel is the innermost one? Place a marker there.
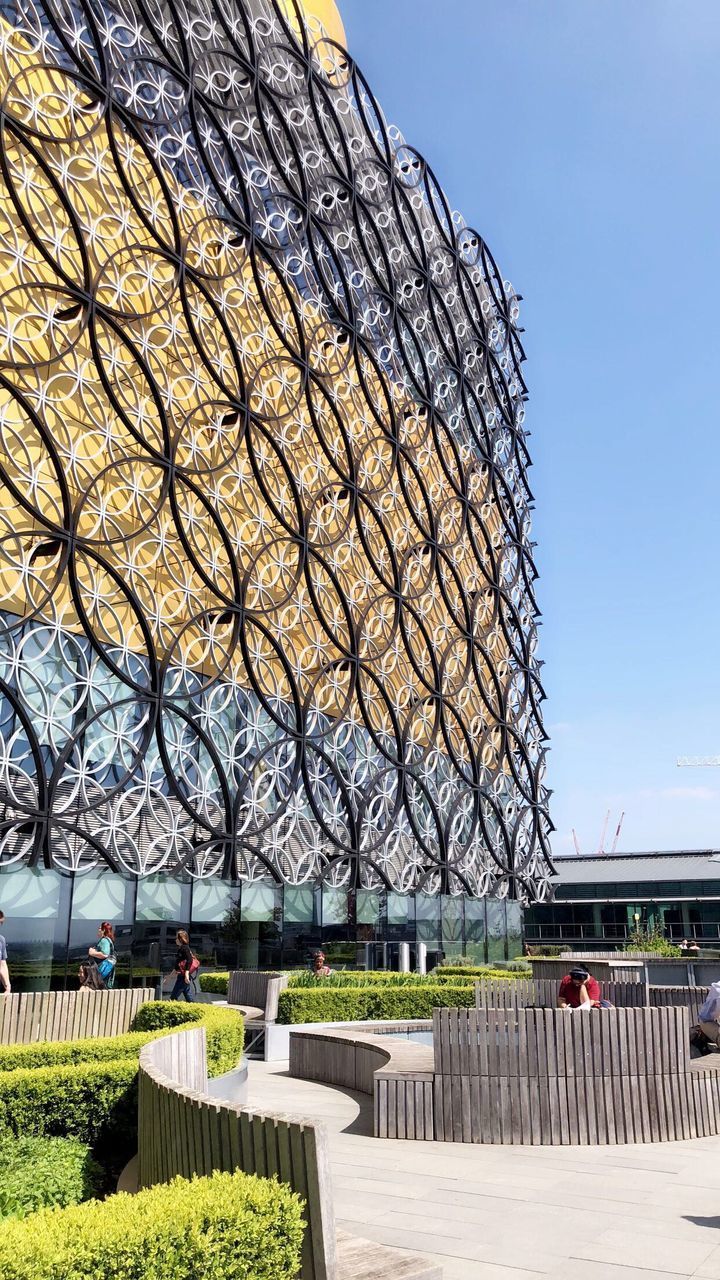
(550, 1076)
(31, 1016)
(183, 1130)
(398, 1074)
(542, 993)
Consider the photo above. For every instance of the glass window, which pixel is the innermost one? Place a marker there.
(36, 903)
(399, 908)
(369, 902)
(475, 929)
(104, 895)
(452, 926)
(427, 910)
(163, 898)
(260, 900)
(99, 895)
(299, 904)
(212, 899)
(334, 906)
(496, 929)
(514, 915)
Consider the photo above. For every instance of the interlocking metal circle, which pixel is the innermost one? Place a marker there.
(265, 557)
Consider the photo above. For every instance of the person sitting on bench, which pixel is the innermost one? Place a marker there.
(709, 1015)
(578, 990)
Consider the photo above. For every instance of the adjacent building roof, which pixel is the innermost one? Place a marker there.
(672, 864)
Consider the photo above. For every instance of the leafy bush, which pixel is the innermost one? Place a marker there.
(38, 1172)
(305, 980)
(215, 983)
(95, 1102)
(224, 1038)
(356, 978)
(87, 1089)
(226, 1227)
(473, 973)
(159, 1015)
(545, 952)
(653, 940)
(359, 1004)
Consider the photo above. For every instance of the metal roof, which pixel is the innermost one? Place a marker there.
(673, 864)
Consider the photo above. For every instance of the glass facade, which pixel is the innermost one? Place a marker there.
(268, 631)
(605, 914)
(51, 920)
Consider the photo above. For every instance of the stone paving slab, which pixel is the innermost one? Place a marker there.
(515, 1213)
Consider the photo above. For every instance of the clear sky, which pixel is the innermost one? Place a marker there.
(580, 137)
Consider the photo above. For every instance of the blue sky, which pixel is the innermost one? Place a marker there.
(581, 138)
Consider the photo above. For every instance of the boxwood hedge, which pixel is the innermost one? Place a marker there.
(226, 1227)
(215, 983)
(87, 1089)
(224, 1036)
(37, 1172)
(323, 1003)
(218, 982)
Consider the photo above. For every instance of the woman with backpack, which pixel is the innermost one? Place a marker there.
(186, 966)
(104, 954)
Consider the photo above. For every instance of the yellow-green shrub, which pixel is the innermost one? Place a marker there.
(224, 1028)
(88, 1088)
(360, 1004)
(226, 1227)
(38, 1172)
(215, 983)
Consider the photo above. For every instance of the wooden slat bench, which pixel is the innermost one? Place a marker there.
(542, 993)
(31, 1016)
(551, 1077)
(182, 1130)
(256, 994)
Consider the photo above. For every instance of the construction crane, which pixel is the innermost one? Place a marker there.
(601, 851)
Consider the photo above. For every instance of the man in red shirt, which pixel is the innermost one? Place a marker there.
(578, 988)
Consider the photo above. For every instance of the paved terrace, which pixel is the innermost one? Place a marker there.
(516, 1213)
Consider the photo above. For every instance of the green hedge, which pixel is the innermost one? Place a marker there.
(507, 969)
(214, 983)
(226, 1227)
(359, 1004)
(224, 1037)
(93, 1101)
(87, 1089)
(305, 980)
(38, 1172)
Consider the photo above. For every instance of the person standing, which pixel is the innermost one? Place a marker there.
(104, 953)
(4, 971)
(183, 964)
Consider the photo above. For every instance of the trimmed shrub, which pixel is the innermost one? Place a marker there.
(356, 978)
(214, 983)
(88, 1088)
(224, 1038)
(226, 1227)
(473, 973)
(160, 1015)
(359, 1004)
(93, 1101)
(38, 1172)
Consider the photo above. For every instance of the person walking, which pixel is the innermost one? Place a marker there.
(4, 971)
(104, 953)
(184, 964)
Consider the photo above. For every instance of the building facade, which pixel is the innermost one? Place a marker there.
(600, 902)
(268, 656)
